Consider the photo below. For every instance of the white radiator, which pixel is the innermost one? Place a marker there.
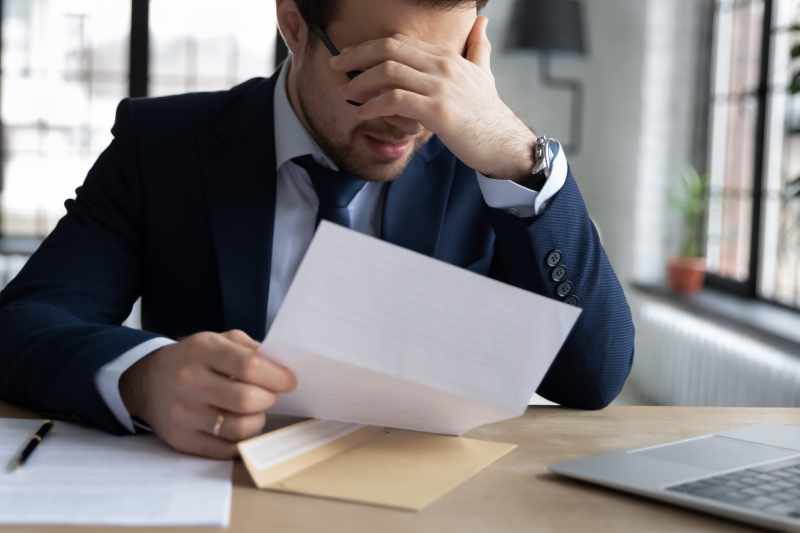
(685, 360)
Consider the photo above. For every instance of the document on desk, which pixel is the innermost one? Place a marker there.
(80, 476)
(383, 336)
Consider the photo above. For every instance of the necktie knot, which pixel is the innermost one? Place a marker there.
(335, 190)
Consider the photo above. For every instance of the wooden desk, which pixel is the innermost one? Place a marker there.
(516, 493)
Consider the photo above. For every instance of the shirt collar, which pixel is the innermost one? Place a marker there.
(291, 137)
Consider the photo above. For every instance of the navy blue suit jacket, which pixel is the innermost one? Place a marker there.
(179, 211)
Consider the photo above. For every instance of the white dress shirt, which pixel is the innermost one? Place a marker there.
(296, 206)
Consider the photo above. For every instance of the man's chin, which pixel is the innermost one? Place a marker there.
(372, 170)
(376, 169)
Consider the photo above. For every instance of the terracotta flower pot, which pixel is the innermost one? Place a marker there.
(686, 274)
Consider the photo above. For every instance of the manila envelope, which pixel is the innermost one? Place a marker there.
(365, 464)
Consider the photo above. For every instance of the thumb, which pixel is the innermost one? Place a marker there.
(479, 48)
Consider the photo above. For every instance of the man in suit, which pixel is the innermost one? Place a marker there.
(204, 204)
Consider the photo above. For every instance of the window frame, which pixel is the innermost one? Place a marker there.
(749, 288)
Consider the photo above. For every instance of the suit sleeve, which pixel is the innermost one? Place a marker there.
(596, 358)
(60, 318)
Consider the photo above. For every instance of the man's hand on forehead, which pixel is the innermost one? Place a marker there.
(451, 95)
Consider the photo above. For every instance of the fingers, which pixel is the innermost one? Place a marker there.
(234, 396)
(399, 48)
(402, 103)
(240, 337)
(234, 427)
(203, 445)
(244, 364)
(390, 75)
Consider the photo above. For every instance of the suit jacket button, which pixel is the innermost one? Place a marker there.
(554, 258)
(565, 289)
(573, 300)
(558, 274)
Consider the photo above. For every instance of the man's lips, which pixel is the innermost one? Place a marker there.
(388, 149)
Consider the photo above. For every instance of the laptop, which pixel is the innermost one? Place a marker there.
(750, 474)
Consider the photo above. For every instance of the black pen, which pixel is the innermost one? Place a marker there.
(37, 438)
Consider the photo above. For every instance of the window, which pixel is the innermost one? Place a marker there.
(65, 67)
(216, 47)
(753, 244)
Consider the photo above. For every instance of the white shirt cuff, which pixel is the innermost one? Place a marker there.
(107, 378)
(519, 200)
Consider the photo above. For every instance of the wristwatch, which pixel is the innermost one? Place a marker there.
(544, 153)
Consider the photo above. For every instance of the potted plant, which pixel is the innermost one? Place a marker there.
(686, 271)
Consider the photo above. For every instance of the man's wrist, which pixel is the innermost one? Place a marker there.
(131, 388)
(518, 163)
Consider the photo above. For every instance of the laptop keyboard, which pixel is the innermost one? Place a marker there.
(772, 489)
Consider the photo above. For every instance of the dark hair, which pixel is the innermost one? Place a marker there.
(322, 12)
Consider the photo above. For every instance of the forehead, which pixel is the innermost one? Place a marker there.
(358, 21)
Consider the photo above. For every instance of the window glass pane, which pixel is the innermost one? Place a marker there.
(730, 217)
(734, 116)
(65, 68)
(208, 44)
(780, 260)
(747, 23)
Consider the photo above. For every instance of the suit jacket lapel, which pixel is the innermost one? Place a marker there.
(241, 182)
(416, 202)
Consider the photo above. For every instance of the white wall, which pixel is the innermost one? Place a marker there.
(640, 81)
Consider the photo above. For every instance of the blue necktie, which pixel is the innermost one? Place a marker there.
(334, 189)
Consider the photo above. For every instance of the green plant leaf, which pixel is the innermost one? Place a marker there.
(794, 86)
(689, 197)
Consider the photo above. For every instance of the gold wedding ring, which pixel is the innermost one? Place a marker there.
(218, 425)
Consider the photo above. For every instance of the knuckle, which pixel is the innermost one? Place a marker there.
(184, 375)
(389, 46)
(202, 339)
(444, 66)
(391, 69)
(396, 96)
(246, 402)
(238, 335)
(247, 368)
(439, 108)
